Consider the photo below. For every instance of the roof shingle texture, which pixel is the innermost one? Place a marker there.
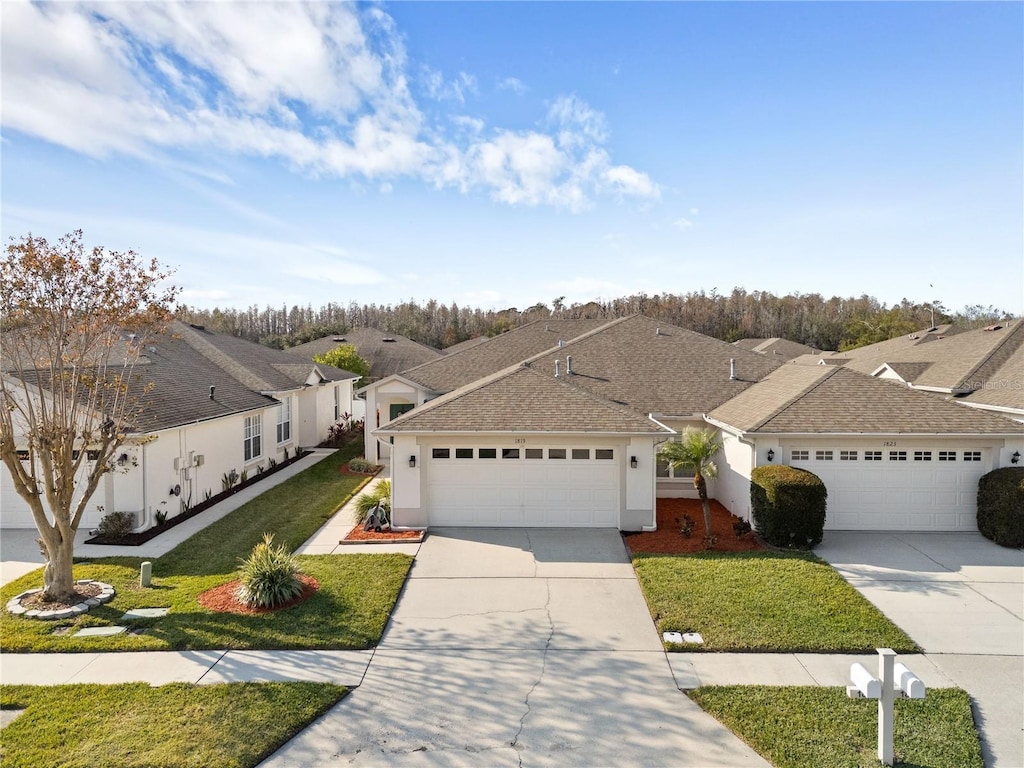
(826, 399)
(656, 368)
(385, 357)
(457, 369)
(522, 400)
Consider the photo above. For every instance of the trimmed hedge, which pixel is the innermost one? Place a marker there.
(1001, 506)
(788, 505)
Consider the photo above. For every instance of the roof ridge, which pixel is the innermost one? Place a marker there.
(221, 359)
(829, 372)
(1014, 334)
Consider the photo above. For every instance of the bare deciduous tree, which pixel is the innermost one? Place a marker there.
(73, 324)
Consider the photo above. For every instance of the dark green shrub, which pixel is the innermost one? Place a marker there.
(270, 576)
(1001, 506)
(788, 505)
(116, 525)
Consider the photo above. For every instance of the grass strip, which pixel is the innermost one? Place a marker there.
(805, 726)
(357, 592)
(765, 602)
(173, 726)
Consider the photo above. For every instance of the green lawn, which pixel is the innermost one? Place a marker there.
(172, 726)
(805, 727)
(763, 601)
(357, 592)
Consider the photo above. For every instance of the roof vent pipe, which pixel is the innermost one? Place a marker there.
(732, 369)
(558, 369)
(212, 388)
(657, 331)
(568, 365)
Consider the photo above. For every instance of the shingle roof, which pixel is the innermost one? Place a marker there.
(909, 371)
(784, 349)
(387, 353)
(656, 368)
(825, 399)
(258, 367)
(522, 399)
(457, 369)
(999, 382)
(465, 344)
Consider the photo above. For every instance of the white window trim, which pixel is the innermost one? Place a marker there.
(252, 437)
(284, 419)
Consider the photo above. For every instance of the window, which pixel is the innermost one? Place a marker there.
(897, 455)
(535, 453)
(397, 409)
(463, 453)
(972, 455)
(284, 421)
(823, 455)
(947, 455)
(604, 453)
(872, 455)
(510, 453)
(799, 455)
(440, 453)
(847, 455)
(487, 453)
(581, 453)
(556, 453)
(922, 455)
(251, 444)
(337, 403)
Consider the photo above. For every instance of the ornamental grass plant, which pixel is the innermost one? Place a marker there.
(270, 576)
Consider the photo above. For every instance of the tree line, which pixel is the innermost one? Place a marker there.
(834, 323)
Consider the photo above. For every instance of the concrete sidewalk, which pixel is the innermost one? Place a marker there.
(199, 667)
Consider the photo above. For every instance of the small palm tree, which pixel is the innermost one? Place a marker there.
(696, 451)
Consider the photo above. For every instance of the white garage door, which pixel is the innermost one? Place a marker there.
(495, 486)
(897, 489)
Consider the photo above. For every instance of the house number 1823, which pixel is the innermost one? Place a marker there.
(888, 443)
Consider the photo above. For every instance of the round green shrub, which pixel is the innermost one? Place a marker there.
(270, 576)
(788, 505)
(1001, 506)
(360, 464)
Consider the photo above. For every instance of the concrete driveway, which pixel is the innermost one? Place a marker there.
(516, 647)
(961, 598)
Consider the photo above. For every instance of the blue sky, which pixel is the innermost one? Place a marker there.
(505, 154)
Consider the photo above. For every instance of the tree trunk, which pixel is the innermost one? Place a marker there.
(58, 581)
(702, 492)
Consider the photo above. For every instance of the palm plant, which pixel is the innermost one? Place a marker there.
(364, 503)
(696, 450)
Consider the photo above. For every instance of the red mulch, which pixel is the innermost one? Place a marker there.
(358, 534)
(668, 540)
(344, 470)
(222, 598)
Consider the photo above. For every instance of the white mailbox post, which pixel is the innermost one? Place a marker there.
(895, 680)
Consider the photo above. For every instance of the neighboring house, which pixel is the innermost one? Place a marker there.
(393, 395)
(509, 435)
(218, 404)
(982, 368)
(779, 348)
(387, 353)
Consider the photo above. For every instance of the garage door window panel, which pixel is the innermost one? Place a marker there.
(510, 453)
(556, 453)
(487, 453)
(440, 453)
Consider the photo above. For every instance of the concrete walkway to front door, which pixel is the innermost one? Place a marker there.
(519, 647)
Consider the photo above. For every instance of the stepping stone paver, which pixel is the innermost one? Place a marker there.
(100, 631)
(144, 613)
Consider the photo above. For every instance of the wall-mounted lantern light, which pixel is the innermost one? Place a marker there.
(632, 461)
(1016, 457)
(122, 459)
(771, 455)
(412, 461)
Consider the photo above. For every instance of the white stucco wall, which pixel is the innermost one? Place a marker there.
(379, 398)
(737, 459)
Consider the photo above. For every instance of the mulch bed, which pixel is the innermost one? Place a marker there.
(223, 599)
(83, 591)
(358, 534)
(668, 539)
(344, 470)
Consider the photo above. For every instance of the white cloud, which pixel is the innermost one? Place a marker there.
(682, 224)
(322, 87)
(513, 84)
